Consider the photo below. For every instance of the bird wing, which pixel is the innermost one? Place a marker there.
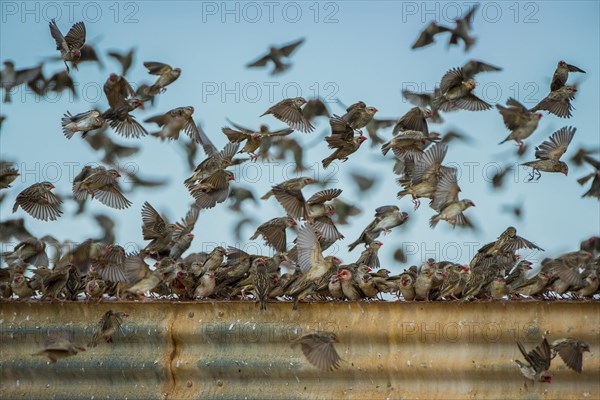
(452, 78)
(235, 136)
(309, 249)
(112, 197)
(413, 120)
(471, 102)
(570, 354)
(153, 225)
(61, 44)
(323, 196)
(554, 148)
(260, 62)
(75, 39)
(447, 189)
(292, 116)
(288, 49)
(157, 68)
(292, 201)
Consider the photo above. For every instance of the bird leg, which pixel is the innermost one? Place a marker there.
(67, 65)
(162, 89)
(253, 157)
(416, 202)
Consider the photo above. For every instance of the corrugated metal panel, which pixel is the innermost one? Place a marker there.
(232, 350)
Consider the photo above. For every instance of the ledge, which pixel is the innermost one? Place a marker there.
(192, 350)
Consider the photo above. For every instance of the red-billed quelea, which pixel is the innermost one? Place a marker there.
(358, 115)
(456, 90)
(83, 122)
(343, 140)
(294, 184)
(289, 111)
(175, 120)
(462, 28)
(253, 139)
(8, 176)
(538, 362)
(446, 202)
(157, 230)
(39, 202)
(110, 323)
(119, 94)
(425, 100)
(570, 351)
(548, 154)
(319, 350)
(275, 55)
(70, 45)
(386, 218)
(558, 102)
(414, 120)
(519, 120)
(100, 184)
(213, 189)
(561, 74)
(166, 76)
(60, 345)
(427, 35)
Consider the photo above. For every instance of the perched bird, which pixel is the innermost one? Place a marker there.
(425, 100)
(166, 76)
(124, 59)
(558, 102)
(289, 111)
(561, 74)
(342, 139)
(253, 139)
(38, 201)
(319, 350)
(273, 232)
(175, 120)
(260, 281)
(276, 56)
(446, 202)
(456, 92)
(358, 115)
(10, 77)
(110, 323)
(462, 29)
(548, 154)
(414, 120)
(70, 45)
(83, 122)
(427, 35)
(100, 184)
(60, 345)
(519, 120)
(386, 218)
(570, 351)
(538, 362)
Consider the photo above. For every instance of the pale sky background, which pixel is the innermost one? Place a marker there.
(354, 50)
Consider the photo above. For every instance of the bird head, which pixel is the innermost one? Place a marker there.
(561, 63)
(77, 53)
(177, 71)
(48, 186)
(255, 136)
(546, 377)
(539, 115)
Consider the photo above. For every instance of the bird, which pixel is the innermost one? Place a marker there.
(175, 120)
(538, 362)
(38, 201)
(414, 120)
(166, 76)
(406, 142)
(561, 74)
(213, 189)
(548, 154)
(570, 351)
(11, 78)
(82, 122)
(343, 140)
(314, 108)
(100, 184)
(594, 190)
(276, 56)
(260, 281)
(124, 59)
(157, 230)
(273, 232)
(8, 176)
(289, 111)
(425, 100)
(446, 202)
(319, 350)
(291, 185)
(427, 35)
(558, 102)
(120, 96)
(110, 323)
(60, 345)
(462, 28)
(519, 120)
(386, 218)
(474, 67)
(70, 45)
(456, 92)
(358, 115)
(369, 255)
(253, 139)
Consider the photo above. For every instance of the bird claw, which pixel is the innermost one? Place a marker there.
(162, 90)
(417, 203)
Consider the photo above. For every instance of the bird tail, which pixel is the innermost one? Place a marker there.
(352, 245)
(505, 140)
(402, 194)
(326, 162)
(66, 120)
(386, 147)
(7, 95)
(153, 90)
(434, 221)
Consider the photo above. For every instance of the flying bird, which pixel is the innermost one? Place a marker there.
(290, 112)
(548, 154)
(276, 56)
(38, 201)
(538, 362)
(456, 92)
(166, 76)
(70, 45)
(427, 35)
(561, 75)
(319, 350)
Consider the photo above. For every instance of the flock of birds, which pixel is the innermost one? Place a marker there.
(100, 269)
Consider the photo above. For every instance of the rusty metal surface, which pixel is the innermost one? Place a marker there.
(231, 350)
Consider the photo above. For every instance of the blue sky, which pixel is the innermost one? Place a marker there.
(354, 50)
